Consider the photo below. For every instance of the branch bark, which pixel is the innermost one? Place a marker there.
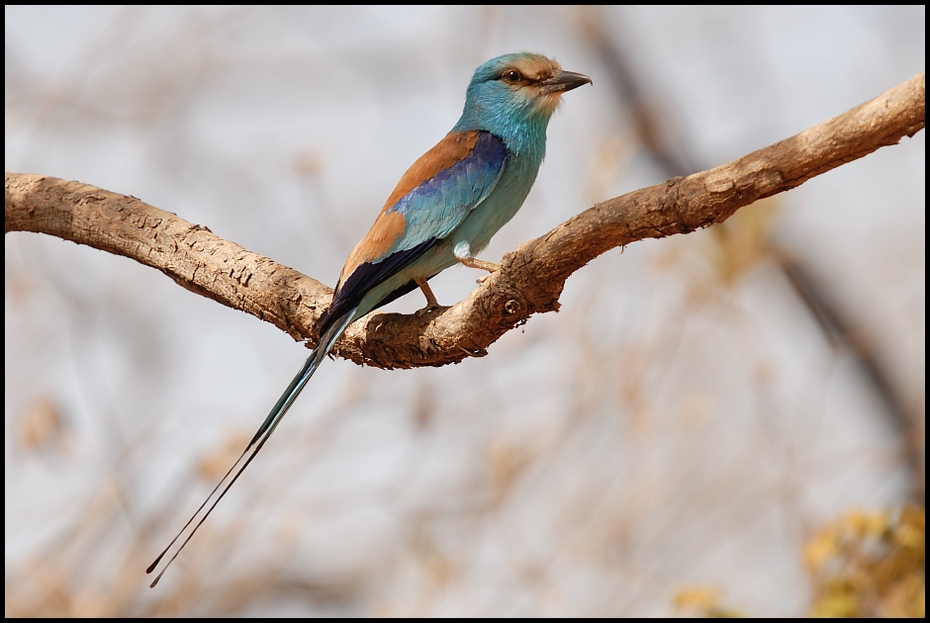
(531, 277)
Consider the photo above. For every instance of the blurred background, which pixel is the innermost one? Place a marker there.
(730, 421)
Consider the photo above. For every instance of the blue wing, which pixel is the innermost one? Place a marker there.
(441, 202)
(430, 201)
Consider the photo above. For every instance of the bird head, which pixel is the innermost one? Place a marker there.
(514, 90)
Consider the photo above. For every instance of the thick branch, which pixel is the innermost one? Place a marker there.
(531, 277)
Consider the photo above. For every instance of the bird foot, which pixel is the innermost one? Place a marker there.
(484, 278)
(427, 309)
(431, 303)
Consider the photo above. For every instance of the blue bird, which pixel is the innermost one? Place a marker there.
(445, 209)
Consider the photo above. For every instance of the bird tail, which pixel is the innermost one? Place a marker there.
(337, 327)
(327, 340)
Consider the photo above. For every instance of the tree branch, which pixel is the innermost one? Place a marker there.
(531, 277)
(836, 320)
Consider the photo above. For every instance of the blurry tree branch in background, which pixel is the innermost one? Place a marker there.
(673, 156)
(531, 277)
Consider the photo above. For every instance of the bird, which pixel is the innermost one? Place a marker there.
(444, 210)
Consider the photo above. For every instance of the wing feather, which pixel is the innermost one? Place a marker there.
(430, 201)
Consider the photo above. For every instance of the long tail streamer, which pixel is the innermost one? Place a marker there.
(271, 422)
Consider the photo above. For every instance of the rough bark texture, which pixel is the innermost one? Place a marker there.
(531, 277)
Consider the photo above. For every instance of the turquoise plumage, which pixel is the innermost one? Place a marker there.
(445, 209)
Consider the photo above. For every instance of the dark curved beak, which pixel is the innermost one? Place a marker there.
(565, 81)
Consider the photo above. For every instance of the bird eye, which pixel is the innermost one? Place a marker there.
(512, 76)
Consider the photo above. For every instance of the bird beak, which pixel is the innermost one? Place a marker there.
(564, 81)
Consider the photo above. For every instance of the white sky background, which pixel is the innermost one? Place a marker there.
(667, 428)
